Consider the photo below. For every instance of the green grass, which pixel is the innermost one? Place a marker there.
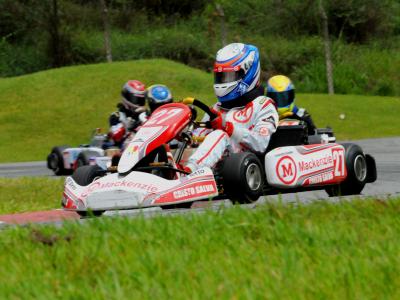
(30, 194)
(347, 250)
(366, 116)
(62, 106)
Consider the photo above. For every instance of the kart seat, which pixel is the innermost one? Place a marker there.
(289, 135)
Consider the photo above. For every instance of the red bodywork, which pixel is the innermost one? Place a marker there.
(174, 117)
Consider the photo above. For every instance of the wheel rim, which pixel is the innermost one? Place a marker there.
(360, 167)
(253, 177)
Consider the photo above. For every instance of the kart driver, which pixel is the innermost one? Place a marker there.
(126, 119)
(281, 89)
(246, 118)
(156, 96)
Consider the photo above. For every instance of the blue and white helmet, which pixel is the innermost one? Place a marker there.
(236, 70)
(157, 95)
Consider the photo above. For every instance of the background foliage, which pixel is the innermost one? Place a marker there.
(42, 34)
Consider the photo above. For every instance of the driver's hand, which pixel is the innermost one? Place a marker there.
(216, 123)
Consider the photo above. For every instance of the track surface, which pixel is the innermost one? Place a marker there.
(386, 152)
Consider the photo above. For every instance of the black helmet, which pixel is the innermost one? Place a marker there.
(133, 94)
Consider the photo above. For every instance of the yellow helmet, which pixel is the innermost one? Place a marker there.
(281, 89)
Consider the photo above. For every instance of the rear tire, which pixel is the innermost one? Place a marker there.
(357, 171)
(242, 177)
(55, 161)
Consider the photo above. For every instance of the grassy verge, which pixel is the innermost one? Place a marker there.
(365, 116)
(30, 194)
(317, 251)
(62, 106)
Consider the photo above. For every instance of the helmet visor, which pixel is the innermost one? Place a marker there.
(133, 99)
(225, 77)
(282, 99)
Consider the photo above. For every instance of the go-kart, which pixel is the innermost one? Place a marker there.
(64, 160)
(149, 173)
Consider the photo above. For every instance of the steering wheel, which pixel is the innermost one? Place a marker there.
(204, 107)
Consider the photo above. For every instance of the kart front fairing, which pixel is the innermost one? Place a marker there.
(163, 125)
(138, 189)
(131, 188)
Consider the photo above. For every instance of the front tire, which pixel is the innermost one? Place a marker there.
(90, 213)
(357, 171)
(55, 161)
(242, 177)
(85, 175)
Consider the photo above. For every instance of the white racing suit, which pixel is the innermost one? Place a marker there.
(253, 126)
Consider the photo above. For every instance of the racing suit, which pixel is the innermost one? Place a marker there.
(123, 122)
(251, 130)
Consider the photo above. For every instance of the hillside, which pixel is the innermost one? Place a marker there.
(63, 106)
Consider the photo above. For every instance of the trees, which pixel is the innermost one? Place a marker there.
(106, 28)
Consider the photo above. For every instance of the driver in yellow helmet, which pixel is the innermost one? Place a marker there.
(281, 89)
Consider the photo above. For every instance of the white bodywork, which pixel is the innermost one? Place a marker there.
(311, 165)
(70, 155)
(137, 147)
(138, 189)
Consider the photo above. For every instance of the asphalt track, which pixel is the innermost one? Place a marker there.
(386, 152)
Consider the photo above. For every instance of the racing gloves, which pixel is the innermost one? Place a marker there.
(217, 123)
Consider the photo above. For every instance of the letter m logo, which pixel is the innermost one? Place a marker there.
(287, 170)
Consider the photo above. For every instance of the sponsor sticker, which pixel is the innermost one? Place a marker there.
(264, 131)
(189, 192)
(95, 186)
(242, 87)
(70, 184)
(324, 177)
(243, 115)
(286, 170)
(193, 191)
(133, 149)
(323, 162)
(197, 173)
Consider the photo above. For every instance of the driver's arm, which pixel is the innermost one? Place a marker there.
(305, 115)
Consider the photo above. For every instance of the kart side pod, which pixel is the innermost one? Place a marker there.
(308, 165)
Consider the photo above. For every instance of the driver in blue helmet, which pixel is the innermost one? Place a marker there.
(245, 118)
(156, 96)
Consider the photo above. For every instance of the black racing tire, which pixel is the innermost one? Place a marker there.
(357, 171)
(90, 213)
(185, 205)
(83, 158)
(85, 175)
(55, 160)
(242, 177)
